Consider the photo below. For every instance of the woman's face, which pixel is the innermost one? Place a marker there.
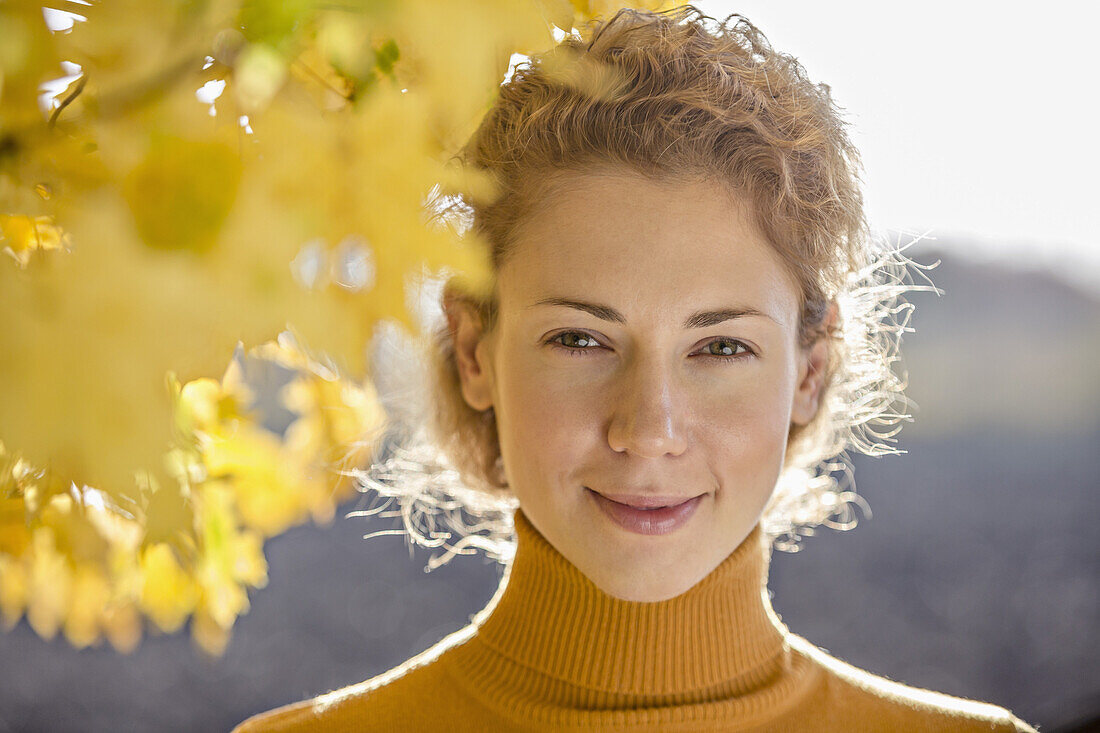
(646, 345)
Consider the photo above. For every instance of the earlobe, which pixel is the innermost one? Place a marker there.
(470, 355)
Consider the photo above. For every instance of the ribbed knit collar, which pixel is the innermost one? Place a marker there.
(718, 640)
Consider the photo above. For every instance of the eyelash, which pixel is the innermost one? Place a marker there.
(578, 351)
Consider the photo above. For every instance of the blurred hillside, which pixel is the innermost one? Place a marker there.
(976, 576)
(1004, 347)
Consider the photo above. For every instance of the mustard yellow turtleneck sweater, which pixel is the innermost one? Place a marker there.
(552, 652)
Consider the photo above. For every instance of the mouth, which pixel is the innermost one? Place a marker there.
(647, 515)
(646, 502)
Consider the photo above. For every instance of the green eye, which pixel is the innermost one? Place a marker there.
(576, 336)
(576, 343)
(730, 347)
(581, 342)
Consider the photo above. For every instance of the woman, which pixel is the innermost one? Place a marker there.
(687, 321)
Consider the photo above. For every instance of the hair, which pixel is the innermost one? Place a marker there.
(675, 96)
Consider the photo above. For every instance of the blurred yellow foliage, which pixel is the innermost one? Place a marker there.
(177, 178)
(168, 593)
(77, 561)
(21, 235)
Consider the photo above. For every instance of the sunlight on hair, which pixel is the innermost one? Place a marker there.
(414, 480)
(417, 484)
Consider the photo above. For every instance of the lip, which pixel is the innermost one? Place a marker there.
(647, 521)
(641, 501)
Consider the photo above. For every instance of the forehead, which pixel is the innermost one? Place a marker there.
(656, 247)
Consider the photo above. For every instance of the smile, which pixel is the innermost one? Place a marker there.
(663, 515)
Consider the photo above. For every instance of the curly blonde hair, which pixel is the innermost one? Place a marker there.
(677, 95)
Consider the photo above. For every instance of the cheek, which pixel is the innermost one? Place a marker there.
(542, 421)
(757, 398)
(745, 426)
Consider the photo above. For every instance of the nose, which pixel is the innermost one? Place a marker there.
(648, 415)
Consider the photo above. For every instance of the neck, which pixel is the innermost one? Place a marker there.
(720, 637)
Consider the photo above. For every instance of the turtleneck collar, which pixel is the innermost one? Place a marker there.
(719, 639)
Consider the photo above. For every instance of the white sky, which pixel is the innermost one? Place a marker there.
(976, 120)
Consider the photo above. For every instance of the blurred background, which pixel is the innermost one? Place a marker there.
(977, 574)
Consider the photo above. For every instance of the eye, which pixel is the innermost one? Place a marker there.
(575, 343)
(731, 350)
(580, 342)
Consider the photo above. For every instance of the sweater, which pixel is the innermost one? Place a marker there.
(553, 652)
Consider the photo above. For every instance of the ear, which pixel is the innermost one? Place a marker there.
(811, 375)
(471, 351)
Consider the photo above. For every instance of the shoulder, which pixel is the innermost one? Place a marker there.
(393, 700)
(859, 700)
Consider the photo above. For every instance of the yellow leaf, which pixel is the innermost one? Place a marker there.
(14, 590)
(181, 193)
(249, 564)
(207, 634)
(168, 593)
(223, 596)
(122, 625)
(20, 236)
(558, 12)
(14, 535)
(259, 72)
(90, 594)
(50, 590)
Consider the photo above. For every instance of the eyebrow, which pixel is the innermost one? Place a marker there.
(700, 319)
